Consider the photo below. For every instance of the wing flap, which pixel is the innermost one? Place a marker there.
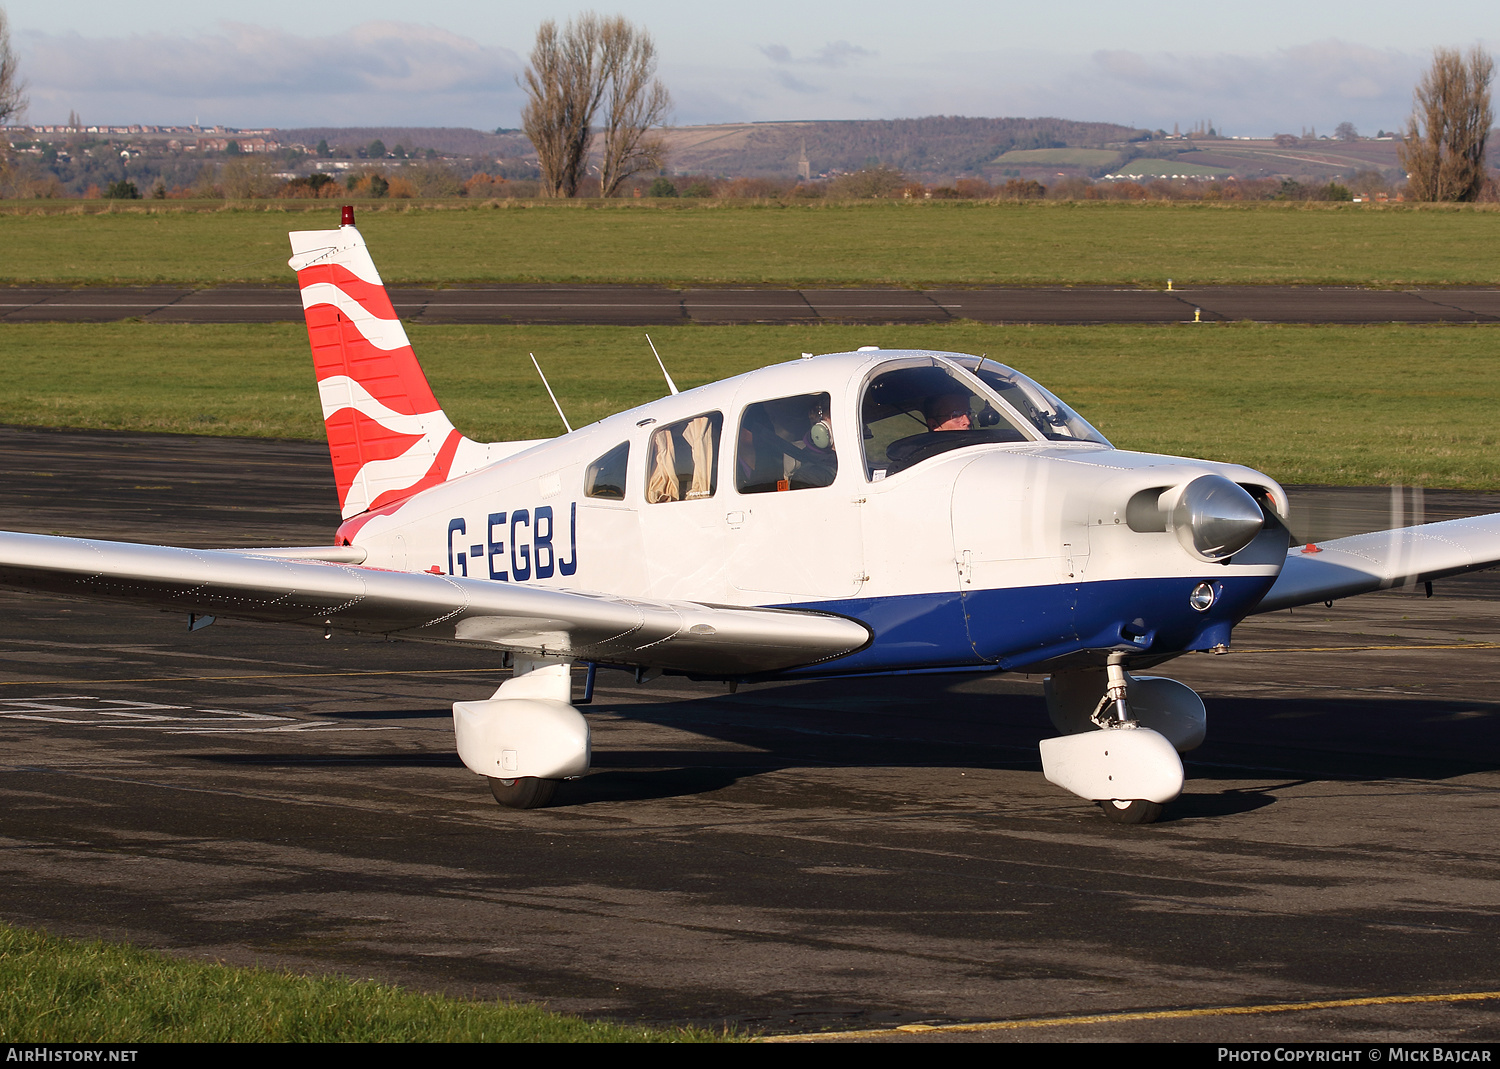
(684, 636)
(1344, 567)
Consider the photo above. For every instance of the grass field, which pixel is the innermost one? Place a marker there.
(1167, 168)
(1340, 405)
(747, 243)
(62, 991)
(1079, 157)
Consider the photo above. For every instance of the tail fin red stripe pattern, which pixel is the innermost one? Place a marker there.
(438, 473)
(354, 439)
(370, 294)
(387, 437)
(393, 376)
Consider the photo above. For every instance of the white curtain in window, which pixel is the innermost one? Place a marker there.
(663, 484)
(699, 438)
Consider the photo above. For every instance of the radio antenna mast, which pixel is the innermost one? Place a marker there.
(670, 384)
(551, 394)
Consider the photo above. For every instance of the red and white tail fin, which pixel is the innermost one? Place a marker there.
(388, 436)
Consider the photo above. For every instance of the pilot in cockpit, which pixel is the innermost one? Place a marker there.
(948, 412)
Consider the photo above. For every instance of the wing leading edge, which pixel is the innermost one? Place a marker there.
(681, 636)
(1344, 567)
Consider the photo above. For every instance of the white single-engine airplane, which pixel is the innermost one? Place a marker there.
(856, 513)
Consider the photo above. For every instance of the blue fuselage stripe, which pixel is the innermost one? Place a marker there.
(1019, 626)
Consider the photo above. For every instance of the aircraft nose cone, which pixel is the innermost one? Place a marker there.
(1215, 518)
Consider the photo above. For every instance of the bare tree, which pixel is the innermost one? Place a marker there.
(564, 85)
(636, 104)
(12, 89)
(592, 62)
(1443, 153)
(247, 178)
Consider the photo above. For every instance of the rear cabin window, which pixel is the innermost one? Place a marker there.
(605, 477)
(913, 413)
(786, 444)
(683, 460)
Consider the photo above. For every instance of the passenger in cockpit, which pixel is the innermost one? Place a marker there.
(786, 444)
(819, 435)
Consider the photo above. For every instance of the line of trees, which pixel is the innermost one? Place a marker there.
(590, 64)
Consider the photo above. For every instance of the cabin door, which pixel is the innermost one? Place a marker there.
(795, 546)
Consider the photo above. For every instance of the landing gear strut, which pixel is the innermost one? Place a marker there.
(1122, 738)
(1113, 714)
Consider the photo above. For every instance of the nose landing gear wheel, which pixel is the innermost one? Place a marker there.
(1126, 810)
(528, 792)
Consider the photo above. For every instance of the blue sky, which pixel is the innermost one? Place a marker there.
(1274, 66)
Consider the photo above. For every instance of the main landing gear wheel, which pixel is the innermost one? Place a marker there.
(1126, 811)
(528, 792)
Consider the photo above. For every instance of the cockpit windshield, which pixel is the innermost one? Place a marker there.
(912, 413)
(1054, 420)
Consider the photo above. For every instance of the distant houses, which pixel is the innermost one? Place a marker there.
(201, 138)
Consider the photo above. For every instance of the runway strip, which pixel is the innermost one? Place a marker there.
(654, 305)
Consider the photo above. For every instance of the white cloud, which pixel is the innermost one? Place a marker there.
(789, 81)
(1319, 84)
(833, 54)
(385, 73)
(399, 73)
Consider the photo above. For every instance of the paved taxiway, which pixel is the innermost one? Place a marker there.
(795, 857)
(654, 305)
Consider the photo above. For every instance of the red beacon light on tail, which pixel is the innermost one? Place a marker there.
(348, 217)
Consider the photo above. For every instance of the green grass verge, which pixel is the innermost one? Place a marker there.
(1326, 404)
(63, 991)
(690, 242)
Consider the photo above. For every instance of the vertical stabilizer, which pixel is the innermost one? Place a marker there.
(386, 433)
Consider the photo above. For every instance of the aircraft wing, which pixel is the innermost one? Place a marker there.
(1343, 567)
(256, 585)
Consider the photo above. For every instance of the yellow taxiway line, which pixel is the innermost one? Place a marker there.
(1137, 1015)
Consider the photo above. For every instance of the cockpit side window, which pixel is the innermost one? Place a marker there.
(605, 477)
(786, 444)
(913, 413)
(682, 463)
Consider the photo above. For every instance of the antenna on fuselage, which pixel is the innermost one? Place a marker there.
(670, 384)
(551, 394)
